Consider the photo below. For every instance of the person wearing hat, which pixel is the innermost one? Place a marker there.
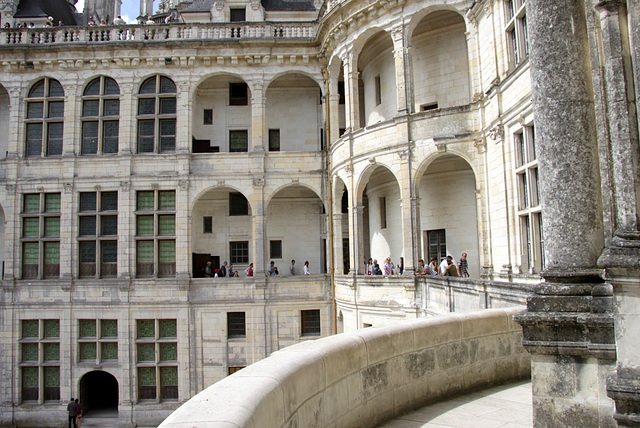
(207, 270)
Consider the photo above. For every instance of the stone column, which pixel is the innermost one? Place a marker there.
(258, 119)
(14, 146)
(334, 113)
(126, 231)
(337, 244)
(183, 230)
(183, 120)
(621, 256)
(408, 202)
(567, 327)
(71, 130)
(357, 241)
(399, 53)
(258, 229)
(352, 97)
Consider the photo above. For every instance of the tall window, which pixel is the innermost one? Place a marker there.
(529, 212)
(156, 233)
(98, 340)
(383, 212)
(157, 116)
(98, 234)
(238, 94)
(378, 90)
(40, 359)
(45, 119)
(100, 112)
(40, 235)
(238, 204)
(516, 31)
(157, 359)
(437, 244)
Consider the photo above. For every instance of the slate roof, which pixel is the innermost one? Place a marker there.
(60, 10)
(288, 5)
(269, 5)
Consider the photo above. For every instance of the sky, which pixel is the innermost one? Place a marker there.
(129, 10)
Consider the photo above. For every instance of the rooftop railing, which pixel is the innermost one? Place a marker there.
(149, 33)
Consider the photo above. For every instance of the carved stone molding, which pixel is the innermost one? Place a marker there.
(481, 145)
(497, 133)
(125, 186)
(68, 187)
(184, 184)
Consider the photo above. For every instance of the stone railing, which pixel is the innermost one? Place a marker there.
(366, 377)
(146, 33)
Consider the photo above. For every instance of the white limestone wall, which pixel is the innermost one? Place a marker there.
(382, 64)
(448, 201)
(297, 113)
(441, 65)
(297, 223)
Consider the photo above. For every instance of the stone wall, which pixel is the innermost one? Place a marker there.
(366, 377)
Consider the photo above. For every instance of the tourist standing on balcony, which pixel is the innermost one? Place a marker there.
(249, 270)
(306, 268)
(463, 266)
(208, 271)
(292, 268)
(448, 267)
(370, 266)
(273, 270)
(401, 266)
(232, 273)
(388, 267)
(223, 270)
(422, 269)
(432, 269)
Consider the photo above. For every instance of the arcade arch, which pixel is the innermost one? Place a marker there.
(294, 114)
(440, 61)
(221, 120)
(221, 229)
(448, 211)
(99, 392)
(377, 80)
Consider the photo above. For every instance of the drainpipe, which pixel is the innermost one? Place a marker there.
(327, 133)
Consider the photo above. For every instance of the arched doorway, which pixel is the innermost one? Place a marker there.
(99, 394)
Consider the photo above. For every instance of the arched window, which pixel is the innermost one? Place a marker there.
(157, 115)
(45, 119)
(100, 113)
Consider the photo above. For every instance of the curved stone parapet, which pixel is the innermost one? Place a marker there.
(363, 378)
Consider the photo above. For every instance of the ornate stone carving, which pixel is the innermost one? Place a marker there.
(125, 186)
(184, 184)
(68, 187)
(497, 133)
(441, 147)
(258, 182)
(481, 145)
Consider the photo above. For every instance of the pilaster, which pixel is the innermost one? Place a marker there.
(258, 119)
(356, 244)
(128, 110)
(399, 55)
(337, 244)
(183, 121)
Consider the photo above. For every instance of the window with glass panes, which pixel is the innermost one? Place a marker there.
(437, 244)
(528, 193)
(239, 252)
(100, 114)
(98, 234)
(310, 322)
(157, 359)
(40, 359)
(516, 31)
(97, 340)
(155, 233)
(238, 140)
(44, 119)
(274, 140)
(40, 238)
(157, 116)
(236, 325)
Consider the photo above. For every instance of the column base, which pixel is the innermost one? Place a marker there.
(623, 386)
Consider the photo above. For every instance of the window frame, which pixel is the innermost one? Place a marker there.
(158, 118)
(45, 120)
(236, 325)
(516, 32)
(310, 323)
(159, 391)
(100, 268)
(102, 98)
(44, 238)
(42, 364)
(155, 268)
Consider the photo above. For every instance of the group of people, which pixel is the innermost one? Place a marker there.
(74, 408)
(388, 268)
(225, 271)
(446, 268)
(273, 269)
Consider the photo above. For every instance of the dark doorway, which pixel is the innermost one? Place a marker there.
(200, 262)
(99, 393)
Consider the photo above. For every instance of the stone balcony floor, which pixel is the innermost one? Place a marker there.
(505, 406)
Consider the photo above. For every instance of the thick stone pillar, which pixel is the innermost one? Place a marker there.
(71, 130)
(15, 148)
(621, 256)
(334, 116)
(568, 326)
(258, 228)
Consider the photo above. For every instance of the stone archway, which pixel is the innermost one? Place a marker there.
(99, 394)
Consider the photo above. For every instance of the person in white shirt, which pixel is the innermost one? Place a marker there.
(306, 268)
